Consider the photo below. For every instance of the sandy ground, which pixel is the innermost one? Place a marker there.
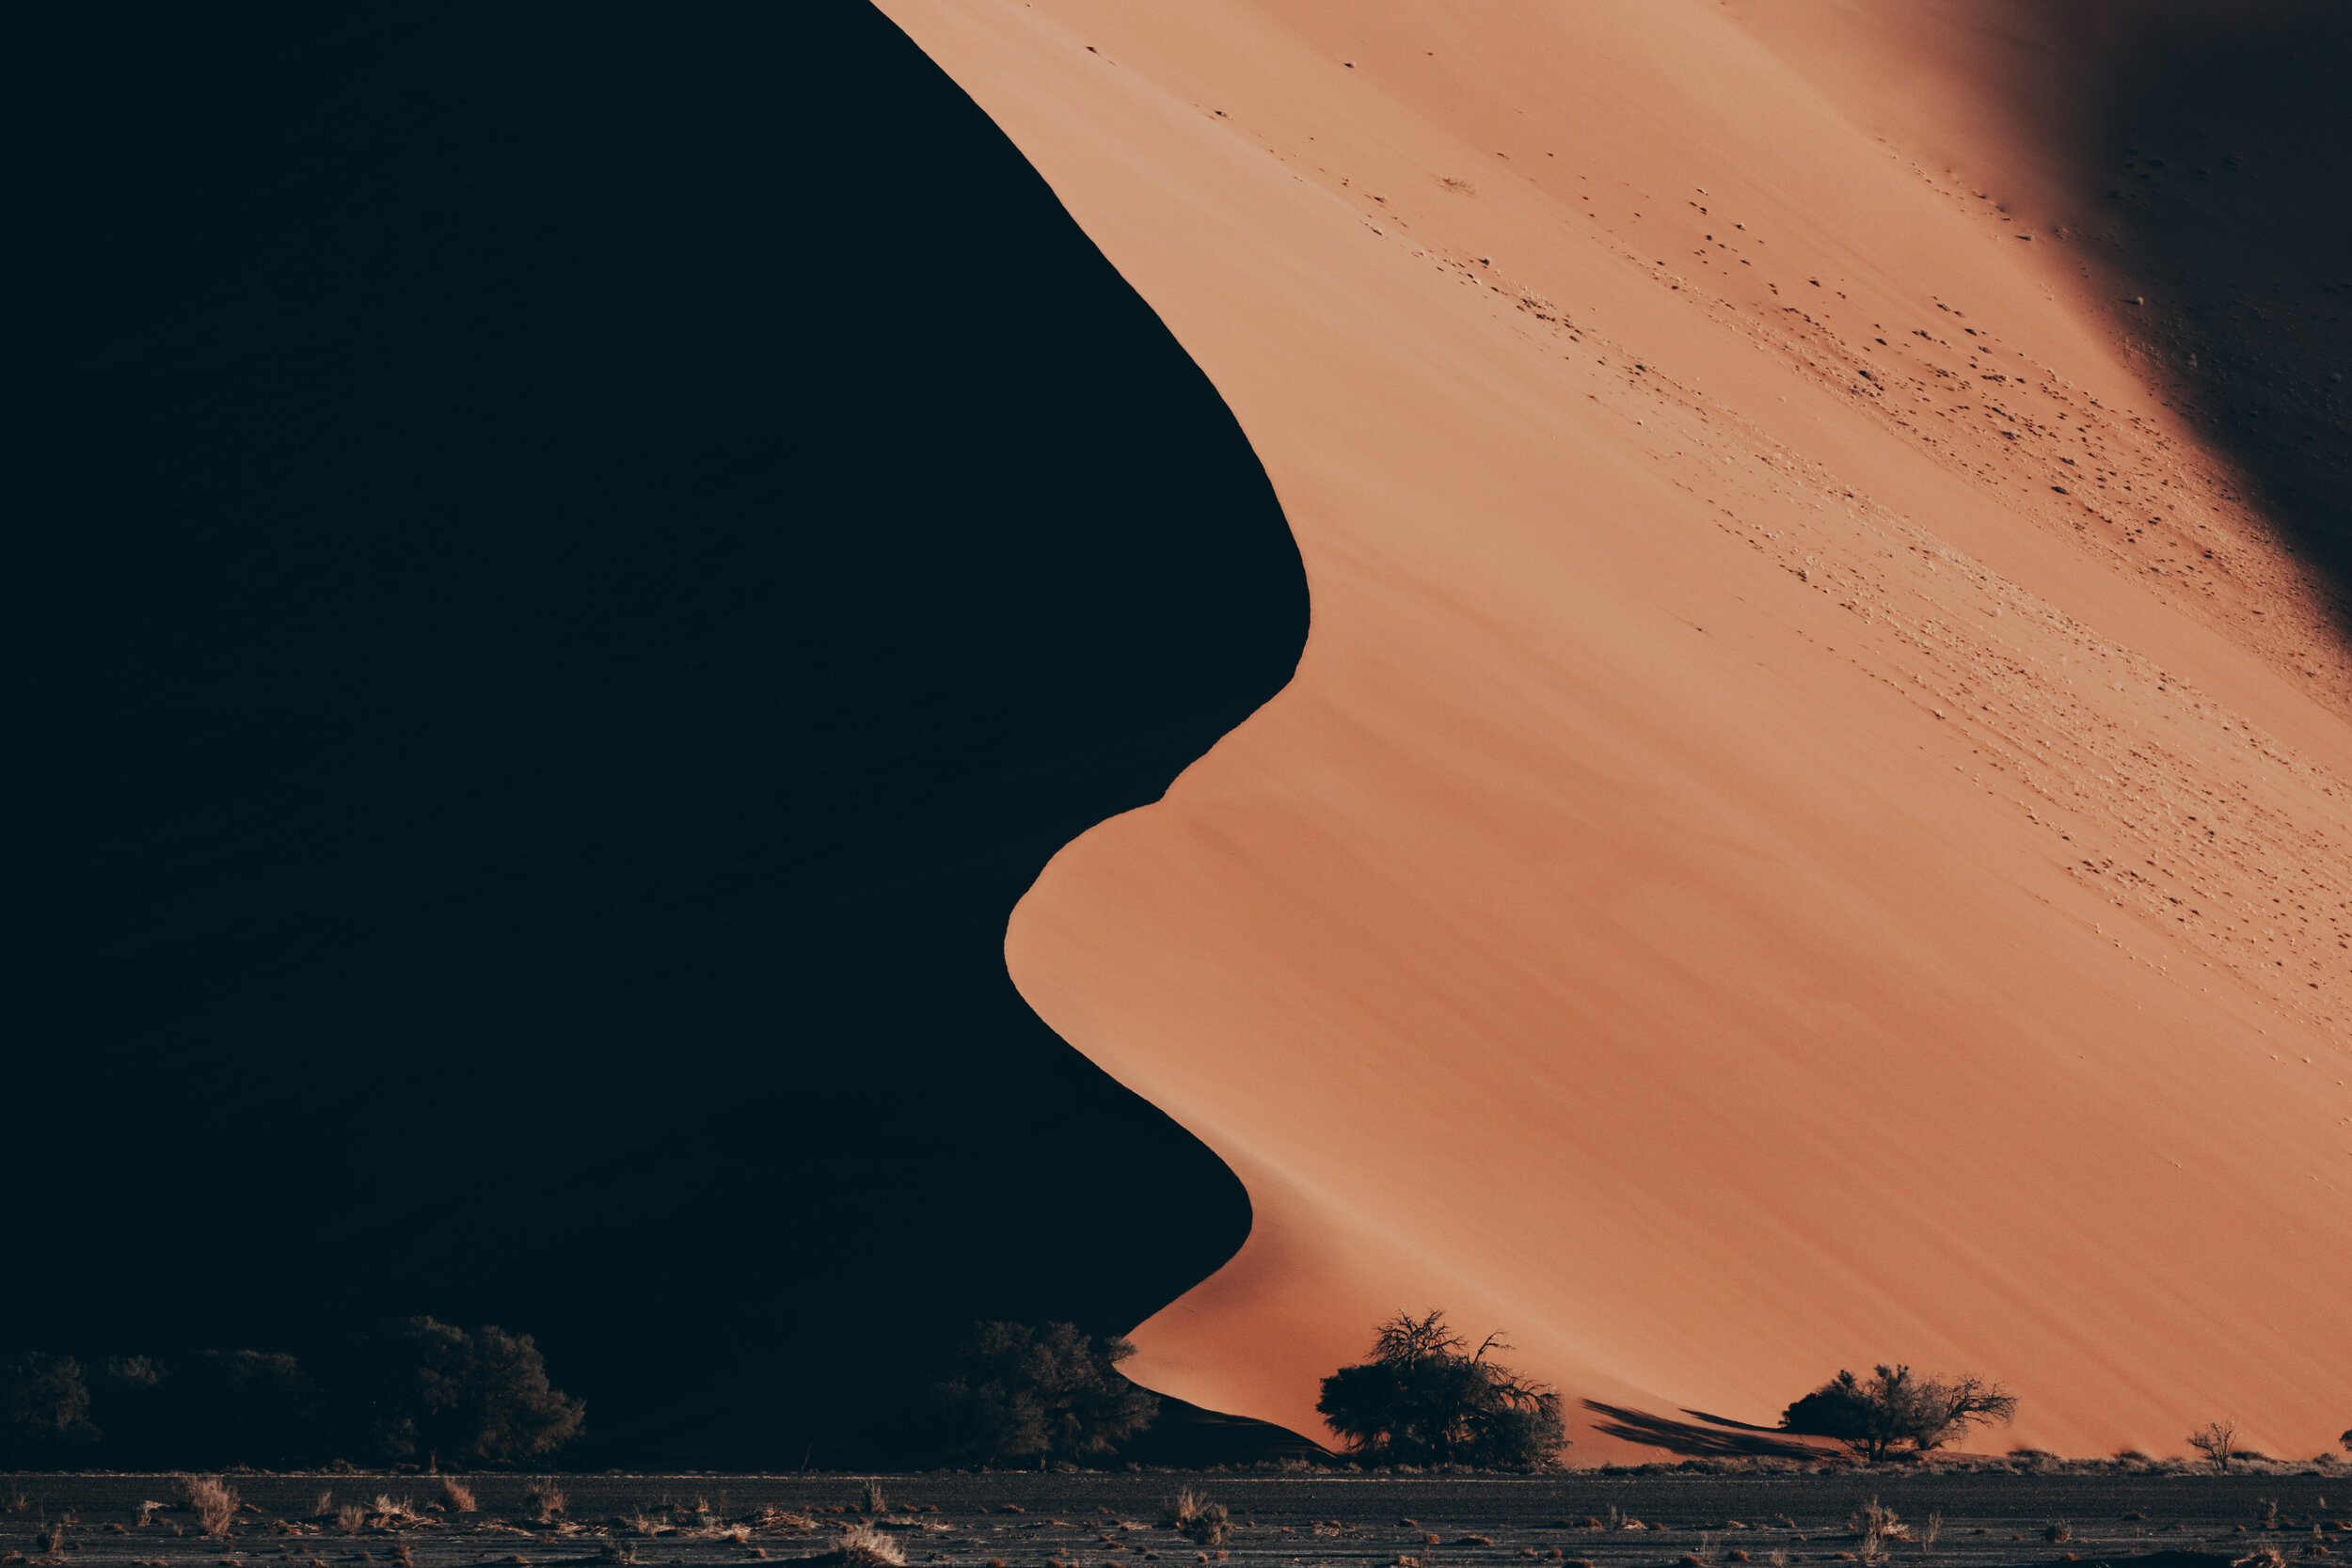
(1814, 823)
(973, 1521)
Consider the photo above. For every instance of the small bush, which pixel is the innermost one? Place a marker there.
(545, 1501)
(1879, 1527)
(458, 1495)
(349, 1517)
(868, 1547)
(2057, 1533)
(1210, 1524)
(212, 1501)
(872, 1499)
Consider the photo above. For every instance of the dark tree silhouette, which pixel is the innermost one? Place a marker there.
(1420, 1399)
(2217, 1442)
(1021, 1391)
(438, 1391)
(45, 1408)
(1894, 1408)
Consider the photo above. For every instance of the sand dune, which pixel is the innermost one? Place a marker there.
(1815, 824)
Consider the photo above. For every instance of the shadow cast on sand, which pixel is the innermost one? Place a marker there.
(1693, 1439)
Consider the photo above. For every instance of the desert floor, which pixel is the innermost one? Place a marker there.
(1020, 1519)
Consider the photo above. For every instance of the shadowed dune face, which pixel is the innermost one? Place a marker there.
(2193, 158)
(1815, 825)
(588, 563)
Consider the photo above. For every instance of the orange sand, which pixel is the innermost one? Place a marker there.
(1748, 880)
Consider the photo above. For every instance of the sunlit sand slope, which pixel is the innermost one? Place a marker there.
(1813, 826)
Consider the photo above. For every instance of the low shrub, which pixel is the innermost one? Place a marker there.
(212, 1500)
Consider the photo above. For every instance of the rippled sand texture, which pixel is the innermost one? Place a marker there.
(1813, 826)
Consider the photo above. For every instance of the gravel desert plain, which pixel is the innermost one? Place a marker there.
(976, 1521)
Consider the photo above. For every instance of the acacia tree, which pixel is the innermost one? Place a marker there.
(1021, 1391)
(1422, 1400)
(483, 1396)
(45, 1408)
(1894, 1407)
(2217, 1442)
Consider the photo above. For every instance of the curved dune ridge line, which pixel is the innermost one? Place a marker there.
(1749, 878)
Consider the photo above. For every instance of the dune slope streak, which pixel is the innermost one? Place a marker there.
(1813, 825)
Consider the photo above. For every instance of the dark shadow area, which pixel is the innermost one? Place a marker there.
(2215, 167)
(1695, 1441)
(1726, 1421)
(1185, 1436)
(584, 558)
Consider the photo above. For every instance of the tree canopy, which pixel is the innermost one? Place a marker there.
(44, 1408)
(441, 1392)
(1895, 1408)
(1422, 1400)
(1022, 1391)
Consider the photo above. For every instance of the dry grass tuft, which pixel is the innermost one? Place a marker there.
(1211, 1526)
(212, 1500)
(1880, 1527)
(390, 1511)
(1458, 186)
(872, 1499)
(640, 1523)
(457, 1495)
(349, 1517)
(2057, 1533)
(778, 1518)
(545, 1501)
(2264, 1556)
(868, 1547)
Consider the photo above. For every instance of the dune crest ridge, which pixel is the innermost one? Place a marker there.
(1812, 823)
